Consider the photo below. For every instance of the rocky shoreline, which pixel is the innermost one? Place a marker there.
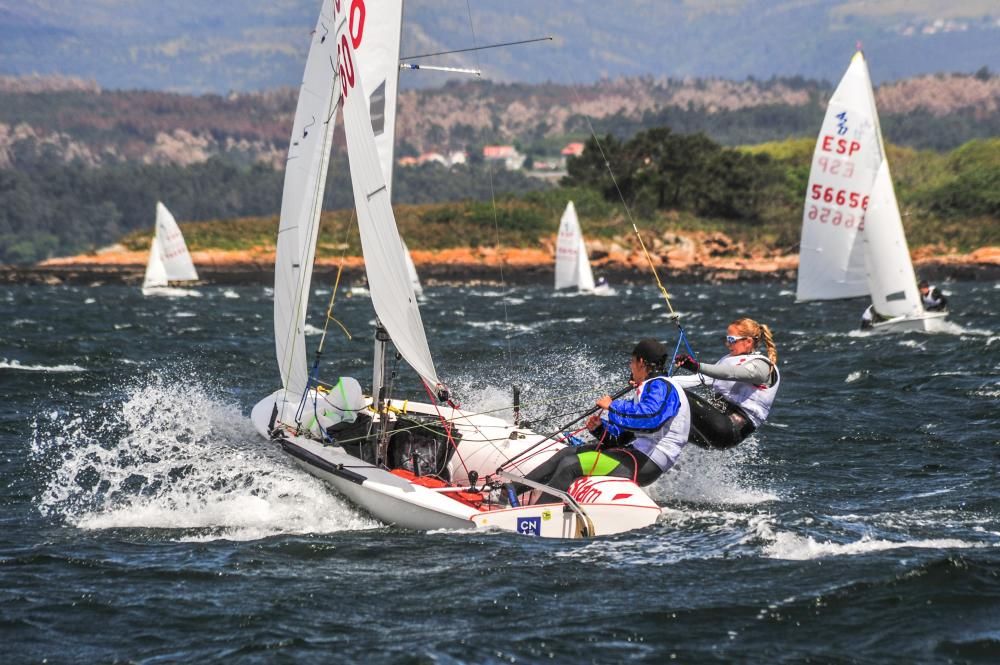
(710, 258)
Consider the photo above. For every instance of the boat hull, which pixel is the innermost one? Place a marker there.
(605, 505)
(926, 322)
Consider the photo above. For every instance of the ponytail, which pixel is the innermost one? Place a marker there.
(760, 333)
(772, 351)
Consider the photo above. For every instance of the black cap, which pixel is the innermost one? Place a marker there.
(922, 283)
(651, 351)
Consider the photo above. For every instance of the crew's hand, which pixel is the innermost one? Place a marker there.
(593, 422)
(604, 402)
(688, 363)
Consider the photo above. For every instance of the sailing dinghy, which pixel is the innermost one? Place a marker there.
(169, 259)
(572, 264)
(416, 465)
(853, 243)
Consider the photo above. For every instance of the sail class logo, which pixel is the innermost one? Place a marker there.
(529, 526)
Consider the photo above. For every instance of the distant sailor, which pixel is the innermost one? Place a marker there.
(744, 384)
(931, 297)
(638, 437)
(870, 317)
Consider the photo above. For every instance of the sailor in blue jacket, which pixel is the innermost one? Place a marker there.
(637, 438)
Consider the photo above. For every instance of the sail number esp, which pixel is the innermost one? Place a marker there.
(345, 50)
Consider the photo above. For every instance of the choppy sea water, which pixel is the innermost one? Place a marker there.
(144, 521)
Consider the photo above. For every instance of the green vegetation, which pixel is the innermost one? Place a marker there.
(670, 181)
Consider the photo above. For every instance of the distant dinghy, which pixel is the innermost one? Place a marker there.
(572, 264)
(169, 259)
(853, 243)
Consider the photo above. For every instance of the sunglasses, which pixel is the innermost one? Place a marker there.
(731, 339)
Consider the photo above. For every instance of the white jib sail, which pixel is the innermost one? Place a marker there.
(572, 264)
(302, 199)
(411, 270)
(385, 264)
(169, 259)
(891, 278)
(847, 155)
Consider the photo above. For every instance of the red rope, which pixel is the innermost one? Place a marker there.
(446, 425)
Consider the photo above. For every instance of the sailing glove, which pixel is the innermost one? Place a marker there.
(688, 363)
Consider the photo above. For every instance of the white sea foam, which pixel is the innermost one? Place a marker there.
(173, 457)
(310, 329)
(229, 293)
(800, 548)
(856, 375)
(17, 366)
(714, 476)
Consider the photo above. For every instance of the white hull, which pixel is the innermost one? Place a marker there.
(611, 505)
(601, 290)
(170, 292)
(926, 322)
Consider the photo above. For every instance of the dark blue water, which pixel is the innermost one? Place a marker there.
(144, 521)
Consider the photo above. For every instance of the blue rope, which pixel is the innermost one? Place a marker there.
(312, 383)
(680, 338)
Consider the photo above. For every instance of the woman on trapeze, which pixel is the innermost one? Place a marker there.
(744, 383)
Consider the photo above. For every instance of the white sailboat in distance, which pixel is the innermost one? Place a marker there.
(169, 259)
(853, 243)
(572, 263)
(417, 465)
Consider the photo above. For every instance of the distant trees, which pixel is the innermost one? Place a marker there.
(660, 170)
(49, 208)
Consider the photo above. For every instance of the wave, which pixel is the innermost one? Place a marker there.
(794, 547)
(715, 477)
(171, 456)
(17, 366)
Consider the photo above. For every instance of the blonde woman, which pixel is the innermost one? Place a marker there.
(744, 383)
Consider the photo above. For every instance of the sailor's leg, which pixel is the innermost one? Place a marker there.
(710, 428)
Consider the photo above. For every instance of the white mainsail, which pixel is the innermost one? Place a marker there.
(385, 263)
(891, 279)
(378, 64)
(302, 199)
(848, 153)
(169, 259)
(572, 264)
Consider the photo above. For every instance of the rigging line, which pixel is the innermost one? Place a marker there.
(477, 48)
(496, 222)
(299, 308)
(455, 420)
(674, 315)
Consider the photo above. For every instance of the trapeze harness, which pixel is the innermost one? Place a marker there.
(625, 450)
(738, 409)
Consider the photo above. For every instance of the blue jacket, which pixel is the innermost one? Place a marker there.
(658, 404)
